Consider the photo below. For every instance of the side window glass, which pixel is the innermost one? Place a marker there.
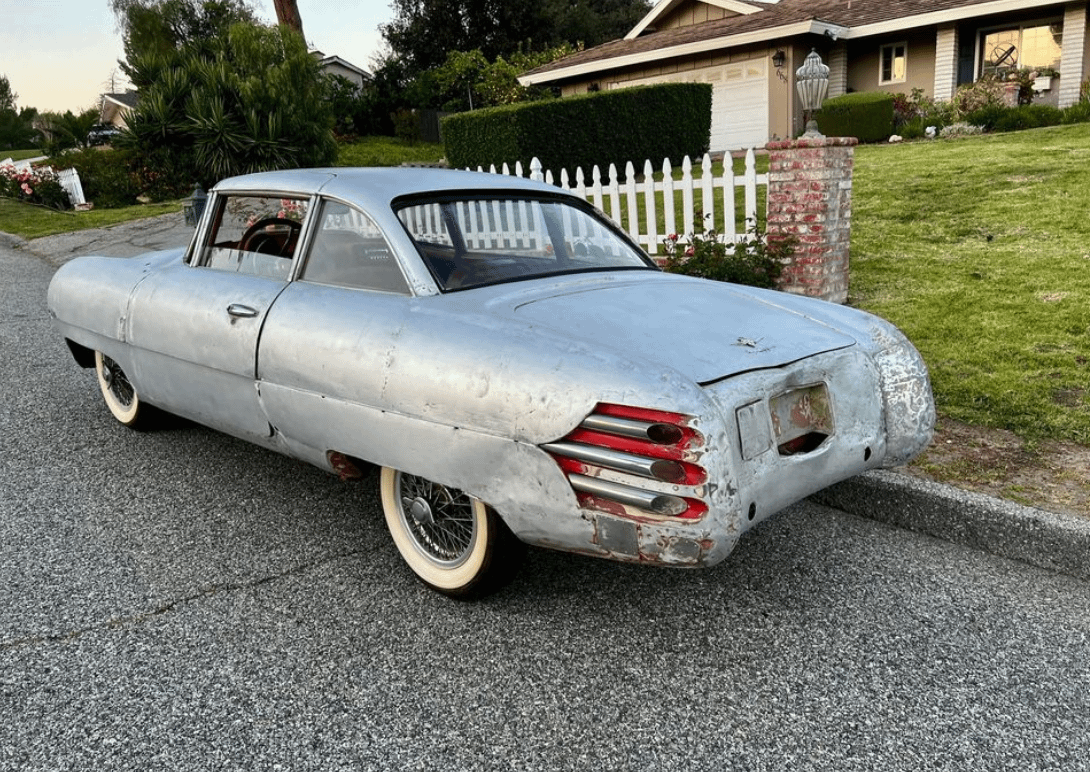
(256, 235)
(349, 250)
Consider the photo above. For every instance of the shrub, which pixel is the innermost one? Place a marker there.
(985, 93)
(987, 116)
(755, 261)
(868, 116)
(1077, 113)
(1029, 117)
(104, 175)
(1002, 118)
(251, 100)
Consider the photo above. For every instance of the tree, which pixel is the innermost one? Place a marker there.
(287, 14)
(17, 130)
(250, 100)
(423, 32)
(68, 130)
(467, 80)
(7, 96)
(157, 31)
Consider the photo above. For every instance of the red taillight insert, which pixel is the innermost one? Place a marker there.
(616, 450)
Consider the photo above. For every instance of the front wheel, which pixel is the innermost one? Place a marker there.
(120, 395)
(453, 542)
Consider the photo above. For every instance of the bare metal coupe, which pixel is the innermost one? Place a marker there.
(514, 363)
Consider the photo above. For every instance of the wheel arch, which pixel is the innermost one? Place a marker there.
(84, 356)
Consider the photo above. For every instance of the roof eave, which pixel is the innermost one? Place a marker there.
(945, 16)
(663, 7)
(685, 49)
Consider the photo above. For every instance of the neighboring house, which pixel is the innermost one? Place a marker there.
(749, 51)
(115, 109)
(335, 65)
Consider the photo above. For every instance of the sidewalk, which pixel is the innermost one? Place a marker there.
(1052, 541)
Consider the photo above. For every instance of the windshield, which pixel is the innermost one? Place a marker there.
(470, 242)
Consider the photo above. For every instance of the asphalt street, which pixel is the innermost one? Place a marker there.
(179, 600)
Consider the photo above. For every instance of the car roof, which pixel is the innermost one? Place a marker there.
(381, 185)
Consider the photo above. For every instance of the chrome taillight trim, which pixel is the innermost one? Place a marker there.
(659, 503)
(659, 433)
(612, 459)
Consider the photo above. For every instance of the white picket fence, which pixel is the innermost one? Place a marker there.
(623, 199)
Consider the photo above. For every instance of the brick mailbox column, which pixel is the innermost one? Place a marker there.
(810, 198)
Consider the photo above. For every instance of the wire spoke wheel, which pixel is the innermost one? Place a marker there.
(119, 393)
(440, 520)
(452, 541)
(118, 382)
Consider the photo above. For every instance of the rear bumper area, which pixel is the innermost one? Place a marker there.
(793, 430)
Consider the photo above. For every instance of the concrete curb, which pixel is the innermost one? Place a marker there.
(11, 241)
(1044, 539)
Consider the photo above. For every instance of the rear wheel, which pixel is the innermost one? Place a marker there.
(120, 395)
(452, 541)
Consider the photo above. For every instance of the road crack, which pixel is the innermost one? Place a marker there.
(172, 605)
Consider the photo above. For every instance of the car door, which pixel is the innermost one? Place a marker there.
(195, 326)
(326, 345)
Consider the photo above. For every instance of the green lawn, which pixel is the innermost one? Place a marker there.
(33, 221)
(979, 249)
(387, 151)
(19, 155)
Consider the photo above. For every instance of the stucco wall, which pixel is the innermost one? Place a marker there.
(863, 63)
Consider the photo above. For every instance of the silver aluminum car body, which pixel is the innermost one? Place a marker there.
(484, 389)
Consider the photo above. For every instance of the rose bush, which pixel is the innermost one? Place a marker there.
(34, 186)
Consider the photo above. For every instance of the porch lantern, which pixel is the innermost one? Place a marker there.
(812, 82)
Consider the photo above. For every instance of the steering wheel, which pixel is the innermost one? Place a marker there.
(256, 237)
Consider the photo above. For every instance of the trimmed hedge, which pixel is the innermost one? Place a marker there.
(867, 116)
(670, 120)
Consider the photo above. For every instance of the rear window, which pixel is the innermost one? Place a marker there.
(471, 242)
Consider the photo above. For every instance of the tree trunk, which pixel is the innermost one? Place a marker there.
(287, 14)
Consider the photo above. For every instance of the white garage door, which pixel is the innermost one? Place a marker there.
(739, 101)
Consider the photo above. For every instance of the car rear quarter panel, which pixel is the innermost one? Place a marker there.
(465, 399)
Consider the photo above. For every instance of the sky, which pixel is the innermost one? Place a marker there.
(62, 54)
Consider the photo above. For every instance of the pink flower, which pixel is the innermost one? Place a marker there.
(689, 252)
(27, 189)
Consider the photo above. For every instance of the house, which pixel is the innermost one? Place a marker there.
(335, 65)
(748, 50)
(115, 108)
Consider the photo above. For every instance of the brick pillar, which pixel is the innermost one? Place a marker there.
(810, 198)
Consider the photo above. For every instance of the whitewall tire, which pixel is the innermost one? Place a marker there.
(452, 541)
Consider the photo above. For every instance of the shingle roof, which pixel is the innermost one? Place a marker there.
(786, 13)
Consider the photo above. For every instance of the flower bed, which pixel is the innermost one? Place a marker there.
(33, 185)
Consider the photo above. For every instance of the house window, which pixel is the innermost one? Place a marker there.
(1036, 45)
(893, 63)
